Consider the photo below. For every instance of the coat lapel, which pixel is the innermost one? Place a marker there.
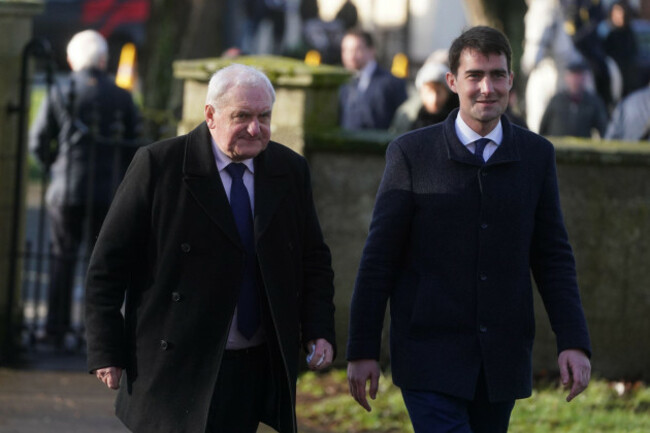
(508, 151)
(204, 183)
(271, 186)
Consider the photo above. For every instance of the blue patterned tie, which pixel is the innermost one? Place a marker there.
(248, 312)
(480, 147)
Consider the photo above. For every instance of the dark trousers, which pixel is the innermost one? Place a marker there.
(66, 230)
(242, 391)
(432, 412)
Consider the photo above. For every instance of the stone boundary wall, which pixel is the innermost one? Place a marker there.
(605, 193)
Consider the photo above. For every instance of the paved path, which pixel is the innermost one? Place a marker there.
(52, 393)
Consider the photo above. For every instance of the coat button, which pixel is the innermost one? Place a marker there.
(164, 345)
(185, 247)
(483, 173)
(483, 329)
(483, 277)
(176, 297)
(290, 246)
(484, 225)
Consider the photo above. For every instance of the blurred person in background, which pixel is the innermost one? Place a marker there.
(631, 117)
(325, 36)
(370, 99)
(619, 42)
(74, 120)
(437, 99)
(258, 11)
(575, 111)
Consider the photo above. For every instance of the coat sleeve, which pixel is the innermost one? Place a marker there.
(554, 270)
(317, 312)
(117, 257)
(382, 256)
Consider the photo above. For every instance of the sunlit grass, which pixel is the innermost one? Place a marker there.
(324, 404)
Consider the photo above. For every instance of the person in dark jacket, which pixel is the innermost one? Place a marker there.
(370, 99)
(575, 111)
(93, 124)
(619, 43)
(631, 118)
(214, 242)
(437, 99)
(465, 210)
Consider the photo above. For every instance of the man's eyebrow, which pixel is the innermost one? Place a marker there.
(484, 71)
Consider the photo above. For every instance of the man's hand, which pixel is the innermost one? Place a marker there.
(359, 372)
(110, 376)
(575, 371)
(321, 354)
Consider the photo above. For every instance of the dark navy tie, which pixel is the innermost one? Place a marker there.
(480, 147)
(248, 312)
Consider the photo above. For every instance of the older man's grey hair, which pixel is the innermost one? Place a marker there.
(87, 49)
(232, 76)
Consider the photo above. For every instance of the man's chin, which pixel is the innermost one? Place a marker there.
(249, 150)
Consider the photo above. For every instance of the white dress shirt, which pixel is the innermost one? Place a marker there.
(468, 136)
(365, 75)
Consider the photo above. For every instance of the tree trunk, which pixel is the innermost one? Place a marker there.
(177, 29)
(505, 15)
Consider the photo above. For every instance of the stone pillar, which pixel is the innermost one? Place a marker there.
(306, 97)
(15, 33)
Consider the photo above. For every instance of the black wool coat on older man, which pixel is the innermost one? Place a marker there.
(170, 244)
(451, 244)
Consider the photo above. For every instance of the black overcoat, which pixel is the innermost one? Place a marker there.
(452, 244)
(170, 245)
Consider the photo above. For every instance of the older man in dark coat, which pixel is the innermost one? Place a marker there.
(465, 210)
(218, 300)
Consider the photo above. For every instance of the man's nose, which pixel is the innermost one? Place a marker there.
(486, 85)
(254, 127)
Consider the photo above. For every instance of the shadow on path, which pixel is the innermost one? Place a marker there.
(51, 392)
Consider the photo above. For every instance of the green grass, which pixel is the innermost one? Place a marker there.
(324, 404)
(35, 171)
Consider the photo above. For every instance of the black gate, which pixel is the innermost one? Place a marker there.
(37, 255)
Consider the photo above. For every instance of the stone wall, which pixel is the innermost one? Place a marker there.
(306, 96)
(15, 32)
(605, 192)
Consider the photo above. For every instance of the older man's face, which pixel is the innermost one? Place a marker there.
(242, 126)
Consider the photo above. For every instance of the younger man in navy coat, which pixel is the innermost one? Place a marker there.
(465, 210)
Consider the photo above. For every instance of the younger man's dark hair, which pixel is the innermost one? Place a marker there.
(486, 40)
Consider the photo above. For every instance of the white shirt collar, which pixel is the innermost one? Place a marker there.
(223, 160)
(365, 74)
(467, 135)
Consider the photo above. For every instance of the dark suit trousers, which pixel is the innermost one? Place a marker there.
(242, 391)
(432, 412)
(67, 225)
